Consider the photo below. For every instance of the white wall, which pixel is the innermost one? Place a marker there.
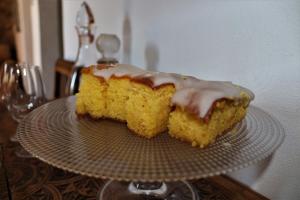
(255, 43)
(26, 46)
(39, 39)
(50, 40)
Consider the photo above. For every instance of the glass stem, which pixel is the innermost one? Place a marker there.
(149, 189)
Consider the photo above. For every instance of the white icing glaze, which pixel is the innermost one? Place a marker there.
(197, 95)
(119, 71)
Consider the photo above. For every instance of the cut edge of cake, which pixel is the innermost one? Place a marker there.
(202, 132)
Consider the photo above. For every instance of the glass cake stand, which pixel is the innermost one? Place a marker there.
(136, 167)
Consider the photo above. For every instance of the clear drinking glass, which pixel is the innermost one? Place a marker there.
(23, 90)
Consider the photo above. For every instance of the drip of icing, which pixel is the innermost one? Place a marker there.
(120, 70)
(196, 95)
(199, 95)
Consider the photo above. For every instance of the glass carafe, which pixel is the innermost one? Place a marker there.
(87, 53)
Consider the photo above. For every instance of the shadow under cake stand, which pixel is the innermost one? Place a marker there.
(136, 167)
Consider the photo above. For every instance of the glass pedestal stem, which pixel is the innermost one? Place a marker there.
(116, 190)
(152, 189)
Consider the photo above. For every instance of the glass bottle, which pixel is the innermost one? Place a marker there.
(87, 53)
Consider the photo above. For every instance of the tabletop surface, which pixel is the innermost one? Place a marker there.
(30, 178)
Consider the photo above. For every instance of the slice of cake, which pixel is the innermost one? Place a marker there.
(148, 108)
(200, 132)
(92, 96)
(116, 97)
(206, 109)
(151, 102)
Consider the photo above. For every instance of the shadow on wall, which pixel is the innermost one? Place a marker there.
(251, 174)
(151, 56)
(127, 37)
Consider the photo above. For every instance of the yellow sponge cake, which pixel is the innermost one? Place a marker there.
(116, 98)
(200, 132)
(148, 108)
(190, 109)
(92, 96)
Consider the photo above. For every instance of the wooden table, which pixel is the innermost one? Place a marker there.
(30, 178)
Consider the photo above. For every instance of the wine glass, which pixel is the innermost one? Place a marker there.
(23, 91)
